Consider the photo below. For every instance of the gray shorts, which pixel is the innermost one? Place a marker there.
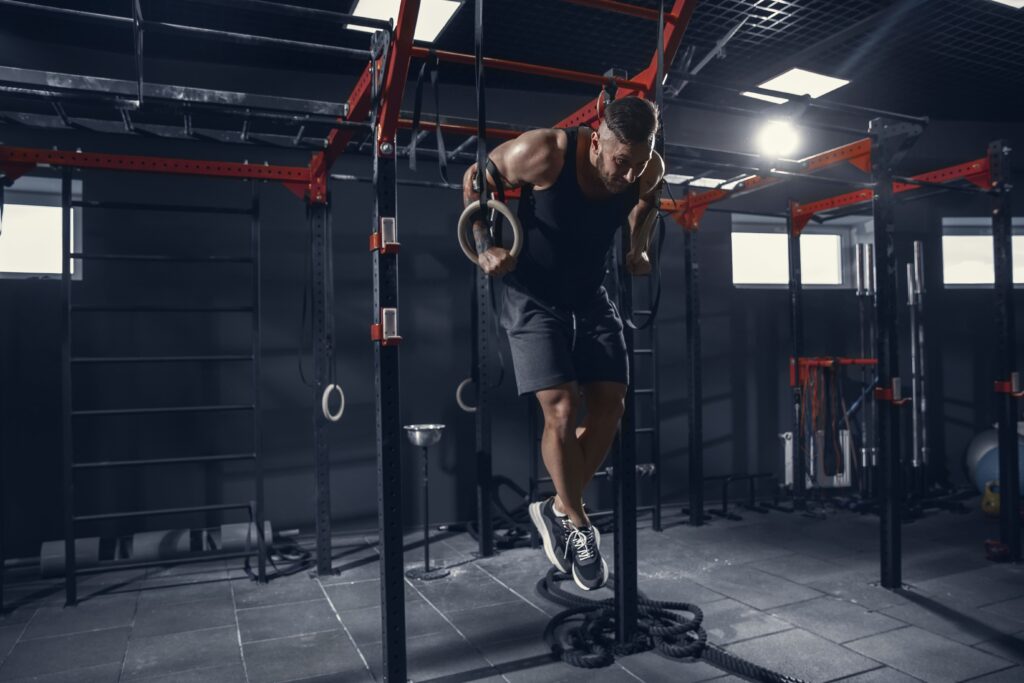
(552, 345)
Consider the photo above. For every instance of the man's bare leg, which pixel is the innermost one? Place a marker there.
(562, 454)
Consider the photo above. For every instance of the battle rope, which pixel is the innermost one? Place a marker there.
(592, 643)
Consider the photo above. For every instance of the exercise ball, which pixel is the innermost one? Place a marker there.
(983, 458)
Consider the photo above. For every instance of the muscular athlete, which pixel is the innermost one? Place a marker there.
(578, 186)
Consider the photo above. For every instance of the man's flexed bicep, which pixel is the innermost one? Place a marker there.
(526, 160)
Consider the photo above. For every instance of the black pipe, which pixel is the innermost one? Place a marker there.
(303, 12)
(1006, 350)
(67, 424)
(162, 512)
(796, 326)
(695, 416)
(256, 350)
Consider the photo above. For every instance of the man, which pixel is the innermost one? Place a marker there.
(578, 187)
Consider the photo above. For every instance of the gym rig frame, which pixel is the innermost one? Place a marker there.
(374, 105)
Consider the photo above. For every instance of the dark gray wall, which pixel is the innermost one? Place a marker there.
(746, 337)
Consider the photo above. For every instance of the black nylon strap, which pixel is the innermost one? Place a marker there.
(481, 108)
(442, 153)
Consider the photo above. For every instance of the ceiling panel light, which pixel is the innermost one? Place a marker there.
(769, 98)
(803, 82)
(433, 17)
(1016, 4)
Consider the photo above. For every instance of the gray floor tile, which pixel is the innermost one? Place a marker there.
(800, 568)
(669, 585)
(359, 594)
(104, 673)
(169, 593)
(1008, 647)
(560, 672)
(819, 659)
(296, 588)
(365, 624)
(755, 588)
(8, 637)
(860, 591)
(727, 621)
(976, 587)
(882, 675)
(927, 656)
(838, 620)
(434, 656)
(228, 673)
(512, 621)
(64, 653)
(178, 652)
(1012, 675)
(282, 621)
(89, 615)
(653, 668)
(464, 588)
(956, 621)
(319, 654)
(1011, 609)
(159, 619)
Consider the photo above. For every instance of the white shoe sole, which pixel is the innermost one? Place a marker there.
(604, 577)
(549, 550)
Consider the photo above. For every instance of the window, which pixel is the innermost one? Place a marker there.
(967, 258)
(762, 258)
(30, 241)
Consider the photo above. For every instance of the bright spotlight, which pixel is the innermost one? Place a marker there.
(777, 139)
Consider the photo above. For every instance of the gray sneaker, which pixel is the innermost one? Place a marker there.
(589, 570)
(553, 531)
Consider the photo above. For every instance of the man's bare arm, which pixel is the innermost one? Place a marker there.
(643, 215)
(528, 159)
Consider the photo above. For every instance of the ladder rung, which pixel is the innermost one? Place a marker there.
(643, 391)
(160, 359)
(164, 309)
(643, 351)
(157, 513)
(163, 461)
(644, 430)
(180, 208)
(161, 258)
(642, 312)
(168, 409)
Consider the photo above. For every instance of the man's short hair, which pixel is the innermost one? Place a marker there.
(632, 120)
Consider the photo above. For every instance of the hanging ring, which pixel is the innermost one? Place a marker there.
(326, 399)
(466, 221)
(458, 395)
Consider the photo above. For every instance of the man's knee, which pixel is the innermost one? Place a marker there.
(560, 406)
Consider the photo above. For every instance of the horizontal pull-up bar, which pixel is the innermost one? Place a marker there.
(21, 159)
(623, 8)
(163, 27)
(976, 172)
(462, 129)
(527, 68)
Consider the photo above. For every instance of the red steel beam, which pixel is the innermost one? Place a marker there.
(623, 8)
(689, 211)
(526, 68)
(462, 129)
(359, 102)
(676, 21)
(976, 171)
(24, 158)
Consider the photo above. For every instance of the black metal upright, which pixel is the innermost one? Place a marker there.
(695, 418)
(323, 334)
(796, 326)
(482, 379)
(389, 432)
(1007, 382)
(257, 353)
(625, 486)
(2, 412)
(70, 571)
(889, 141)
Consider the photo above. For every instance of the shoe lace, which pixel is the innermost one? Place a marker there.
(583, 543)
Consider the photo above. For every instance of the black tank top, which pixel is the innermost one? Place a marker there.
(567, 235)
